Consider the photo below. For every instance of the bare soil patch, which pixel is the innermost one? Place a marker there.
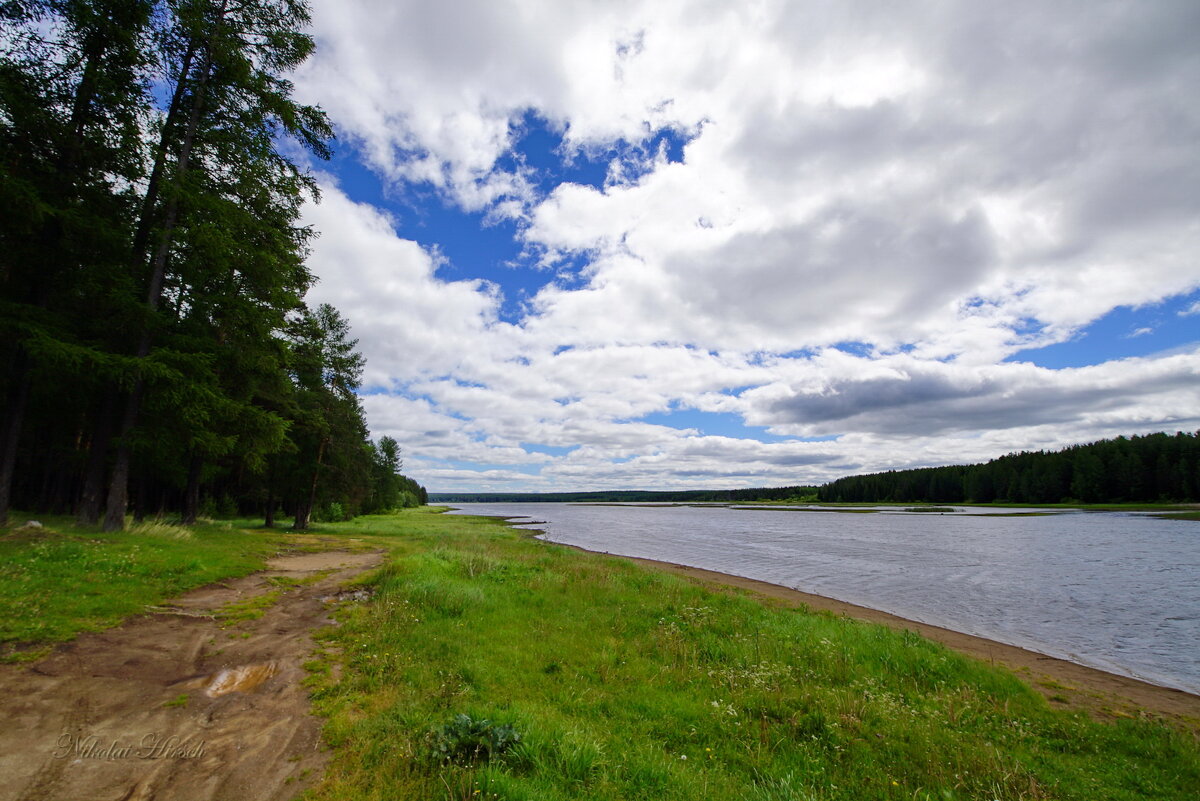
(179, 703)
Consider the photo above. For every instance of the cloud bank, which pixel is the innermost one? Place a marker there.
(873, 210)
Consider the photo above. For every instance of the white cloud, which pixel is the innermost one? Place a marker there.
(905, 396)
(945, 184)
(409, 321)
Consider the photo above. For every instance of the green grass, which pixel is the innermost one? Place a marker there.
(60, 580)
(618, 682)
(178, 701)
(1089, 507)
(250, 609)
(625, 683)
(1190, 515)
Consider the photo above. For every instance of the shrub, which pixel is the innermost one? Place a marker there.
(333, 513)
(465, 741)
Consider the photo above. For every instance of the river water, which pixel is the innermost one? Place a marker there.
(1116, 591)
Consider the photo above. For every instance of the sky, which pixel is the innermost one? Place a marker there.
(622, 244)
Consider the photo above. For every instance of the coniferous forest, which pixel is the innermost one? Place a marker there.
(1140, 469)
(157, 356)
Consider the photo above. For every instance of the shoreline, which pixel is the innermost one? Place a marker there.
(1065, 684)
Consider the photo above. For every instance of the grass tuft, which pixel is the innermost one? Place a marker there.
(157, 528)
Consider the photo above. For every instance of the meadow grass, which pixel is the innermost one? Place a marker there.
(1164, 506)
(59, 580)
(591, 677)
(1188, 515)
(626, 683)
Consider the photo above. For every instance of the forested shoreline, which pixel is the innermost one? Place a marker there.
(1155, 468)
(157, 356)
(633, 496)
(1141, 469)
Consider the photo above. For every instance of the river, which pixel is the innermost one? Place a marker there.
(1111, 590)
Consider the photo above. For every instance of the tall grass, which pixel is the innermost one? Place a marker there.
(625, 683)
(59, 580)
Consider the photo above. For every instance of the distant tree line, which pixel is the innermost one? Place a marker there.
(798, 494)
(1151, 468)
(156, 352)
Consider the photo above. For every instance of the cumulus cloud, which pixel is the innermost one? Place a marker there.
(408, 321)
(933, 188)
(903, 396)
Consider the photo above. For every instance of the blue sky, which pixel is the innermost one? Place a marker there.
(475, 244)
(1122, 333)
(630, 246)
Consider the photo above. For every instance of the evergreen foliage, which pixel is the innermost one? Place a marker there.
(1155, 468)
(1140, 469)
(156, 352)
(798, 494)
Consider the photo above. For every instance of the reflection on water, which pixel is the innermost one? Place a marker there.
(239, 679)
(1116, 591)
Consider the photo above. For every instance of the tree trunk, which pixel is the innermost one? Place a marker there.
(305, 507)
(141, 497)
(118, 485)
(141, 237)
(10, 435)
(191, 497)
(92, 490)
(118, 490)
(269, 522)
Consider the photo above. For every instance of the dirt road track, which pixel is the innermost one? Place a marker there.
(174, 704)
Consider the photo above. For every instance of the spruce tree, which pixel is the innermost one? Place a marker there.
(217, 161)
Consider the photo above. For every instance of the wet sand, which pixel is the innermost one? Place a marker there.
(1065, 684)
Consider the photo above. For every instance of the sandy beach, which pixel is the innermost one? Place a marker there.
(1065, 684)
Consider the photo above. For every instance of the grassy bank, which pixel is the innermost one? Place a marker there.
(59, 580)
(623, 683)
(489, 665)
(1087, 507)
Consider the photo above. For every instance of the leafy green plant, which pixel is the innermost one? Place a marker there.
(332, 513)
(466, 741)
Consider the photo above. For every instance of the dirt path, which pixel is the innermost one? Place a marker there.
(1065, 684)
(178, 704)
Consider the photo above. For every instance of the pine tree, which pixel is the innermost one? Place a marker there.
(328, 430)
(153, 332)
(72, 89)
(217, 162)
